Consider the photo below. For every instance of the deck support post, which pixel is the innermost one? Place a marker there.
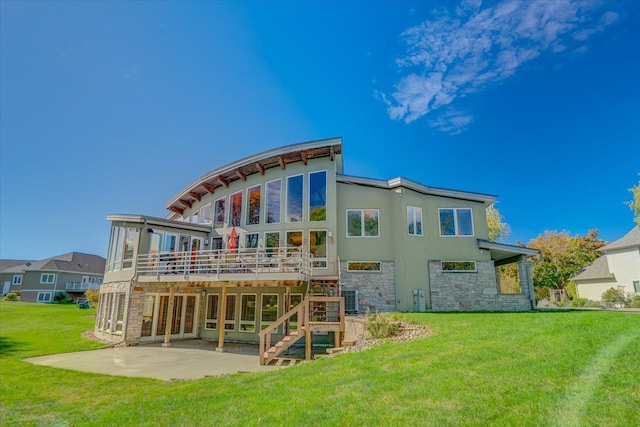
(307, 343)
(169, 318)
(221, 319)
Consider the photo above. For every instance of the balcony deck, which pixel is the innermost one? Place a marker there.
(254, 267)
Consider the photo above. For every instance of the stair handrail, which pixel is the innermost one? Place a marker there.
(265, 334)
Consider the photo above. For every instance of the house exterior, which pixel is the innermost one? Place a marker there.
(41, 280)
(244, 244)
(619, 265)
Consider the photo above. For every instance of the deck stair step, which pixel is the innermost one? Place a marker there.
(348, 343)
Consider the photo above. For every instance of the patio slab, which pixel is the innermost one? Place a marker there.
(185, 360)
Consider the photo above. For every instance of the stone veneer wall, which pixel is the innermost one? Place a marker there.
(477, 291)
(376, 290)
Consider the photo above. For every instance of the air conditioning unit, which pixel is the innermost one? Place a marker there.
(350, 301)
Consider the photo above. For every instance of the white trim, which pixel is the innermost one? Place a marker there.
(50, 294)
(266, 201)
(286, 200)
(326, 199)
(53, 279)
(415, 209)
(16, 282)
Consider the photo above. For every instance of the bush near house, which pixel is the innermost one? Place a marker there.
(92, 296)
(11, 296)
(617, 296)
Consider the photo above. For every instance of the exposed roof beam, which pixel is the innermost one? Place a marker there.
(176, 209)
(260, 168)
(223, 181)
(241, 175)
(332, 153)
(210, 188)
(282, 163)
(185, 203)
(195, 195)
(304, 157)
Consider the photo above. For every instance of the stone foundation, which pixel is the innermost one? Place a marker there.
(376, 290)
(472, 291)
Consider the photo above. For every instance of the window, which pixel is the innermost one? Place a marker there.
(44, 297)
(170, 243)
(230, 317)
(147, 315)
(272, 242)
(458, 266)
(268, 310)
(128, 247)
(318, 247)
(274, 190)
(107, 314)
(120, 314)
(251, 240)
(121, 247)
(194, 218)
(294, 241)
(211, 321)
(456, 222)
(17, 279)
(318, 196)
(235, 216)
(294, 198)
(205, 214)
(216, 243)
(636, 286)
(363, 266)
(294, 301)
(253, 205)
(414, 220)
(248, 313)
(155, 243)
(219, 213)
(47, 278)
(363, 223)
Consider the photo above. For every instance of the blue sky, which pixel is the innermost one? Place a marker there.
(113, 107)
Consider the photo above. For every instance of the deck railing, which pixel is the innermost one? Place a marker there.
(224, 261)
(79, 287)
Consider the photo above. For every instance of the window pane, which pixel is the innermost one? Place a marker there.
(411, 220)
(253, 205)
(212, 312)
(248, 313)
(269, 310)
(318, 196)
(230, 317)
(294, 198)
(119, 243)
(371, 228)
(318, 247)
(447, 225)
(294, 240)
(155, 244)
(147, 315)
(194, 218)
(419, 221)
(354, 223)
(251, 241)
(128, 247)
(274, 189)
(219, 213)
(170, 243)
(272, 243)
(205, 214)
(465, 223)
(236, 209)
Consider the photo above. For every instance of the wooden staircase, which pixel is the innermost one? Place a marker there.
(314, 314)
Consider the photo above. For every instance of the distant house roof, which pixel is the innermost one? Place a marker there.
(13, 265)
(72, 261)
(629, 240)
(598, 269)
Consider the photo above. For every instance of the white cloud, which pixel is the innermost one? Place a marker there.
(462, 52)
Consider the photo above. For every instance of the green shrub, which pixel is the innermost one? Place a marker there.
(92, 296)
(62, 298)
(617, 296)
(11, 296)
(635, 301)
(583, 302)
(380, 327)
(541, 292)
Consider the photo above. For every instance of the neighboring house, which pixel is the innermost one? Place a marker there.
(245, 243)
(619, 265)
(41, 281)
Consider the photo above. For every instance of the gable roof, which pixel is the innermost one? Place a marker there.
(73, 261)
(629, 240)
(598, 269)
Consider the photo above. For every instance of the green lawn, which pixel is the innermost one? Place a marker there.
(575, 368)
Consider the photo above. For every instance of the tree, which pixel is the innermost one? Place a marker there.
(634, 204)
(563, 256)
(498, 229)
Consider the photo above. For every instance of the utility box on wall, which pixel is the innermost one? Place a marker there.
(419, 302)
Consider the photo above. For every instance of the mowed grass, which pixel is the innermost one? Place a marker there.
(542, 368)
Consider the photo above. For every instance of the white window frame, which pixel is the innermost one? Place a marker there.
(248, 205)
(201, 218)
(325, 259)
(233, 322)
(209, 320)
(266, 202)
(46, 297)
(362, 228)
(412, 218)
(255, 315)
(326, 190)
(231, 224)
(364, 262)
(286, 201)
(48, 275)
(264, 325)
(17, 279)
(224, 215)
(286, 241)
(455, 223)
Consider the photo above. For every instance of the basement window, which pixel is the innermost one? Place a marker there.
(459, 266)
(361, 266)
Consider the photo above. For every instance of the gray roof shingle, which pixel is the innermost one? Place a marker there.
(598, 269)
(629, 240)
